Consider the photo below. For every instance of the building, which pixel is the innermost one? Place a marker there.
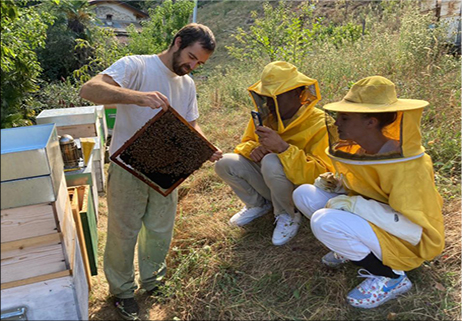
(117, 15)
(449, 13)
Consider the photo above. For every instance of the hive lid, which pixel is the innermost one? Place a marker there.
(30, 151)
(68, 116)
(20, 139)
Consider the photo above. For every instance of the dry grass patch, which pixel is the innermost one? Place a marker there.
(218, 272)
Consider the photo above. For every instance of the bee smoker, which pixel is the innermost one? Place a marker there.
(69, 151)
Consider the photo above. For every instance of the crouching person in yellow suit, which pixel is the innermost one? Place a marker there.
(381, 209)
(288, 149)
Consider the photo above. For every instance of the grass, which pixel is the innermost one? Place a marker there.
(218, 272)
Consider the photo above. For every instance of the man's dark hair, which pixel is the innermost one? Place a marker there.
(195, 32)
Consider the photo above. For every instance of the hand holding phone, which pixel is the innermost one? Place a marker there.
(256, 118)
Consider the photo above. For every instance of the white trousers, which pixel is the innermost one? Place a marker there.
(343, 232)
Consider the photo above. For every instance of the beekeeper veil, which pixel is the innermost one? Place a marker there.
(399, 118)
(277, 78)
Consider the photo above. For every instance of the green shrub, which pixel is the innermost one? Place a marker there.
(285, 33)
(23, 30)
(158, 32)
(57, 94)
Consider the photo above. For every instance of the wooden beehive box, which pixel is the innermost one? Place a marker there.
(75, 121)
(41, 262)
(63, 296)
(38, 242)
(87, 231)
(164, 152)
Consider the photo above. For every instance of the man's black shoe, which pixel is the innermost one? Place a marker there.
(155, 291)
(127, 308)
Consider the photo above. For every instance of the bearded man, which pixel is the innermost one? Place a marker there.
(140, 86)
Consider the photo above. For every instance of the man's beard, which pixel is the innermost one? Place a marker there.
(179, 69)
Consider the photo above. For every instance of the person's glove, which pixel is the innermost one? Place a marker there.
(380, 214)
(330, 182)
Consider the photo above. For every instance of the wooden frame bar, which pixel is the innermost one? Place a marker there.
(36, 279)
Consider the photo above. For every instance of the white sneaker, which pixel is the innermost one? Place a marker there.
(286, 228)
(247, 215)
(333, 259)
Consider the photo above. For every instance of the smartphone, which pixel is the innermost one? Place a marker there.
(256, 118)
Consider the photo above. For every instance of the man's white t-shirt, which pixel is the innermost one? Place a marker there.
(148, 73)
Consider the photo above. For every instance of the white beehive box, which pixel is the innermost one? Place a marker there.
(75, 121)
(32, 165)
(103, 123)
(39, 247)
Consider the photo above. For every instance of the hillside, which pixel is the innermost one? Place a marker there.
(224, 17)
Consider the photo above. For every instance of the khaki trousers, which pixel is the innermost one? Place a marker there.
(254, 182)
(136, 212)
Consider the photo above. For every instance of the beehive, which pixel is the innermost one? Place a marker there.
(39, 247)
(111, 113)
(32, 165)
(164, 152)
(75, 121)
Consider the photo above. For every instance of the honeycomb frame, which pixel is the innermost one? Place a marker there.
(164, 152)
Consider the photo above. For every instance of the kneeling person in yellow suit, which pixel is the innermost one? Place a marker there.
(287, 151)
(381, 209)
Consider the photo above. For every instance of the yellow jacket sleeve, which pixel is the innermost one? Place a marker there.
(249, 141)
(301, 168)
(304, 166)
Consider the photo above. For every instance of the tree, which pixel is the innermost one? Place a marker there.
(158, 32)
(288, 33)
(60, 56)
(23, 30)
(78, 16)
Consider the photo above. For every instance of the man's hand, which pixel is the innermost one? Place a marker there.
(153, 99)
(216, 156)
(271, 140)
(258, 153)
